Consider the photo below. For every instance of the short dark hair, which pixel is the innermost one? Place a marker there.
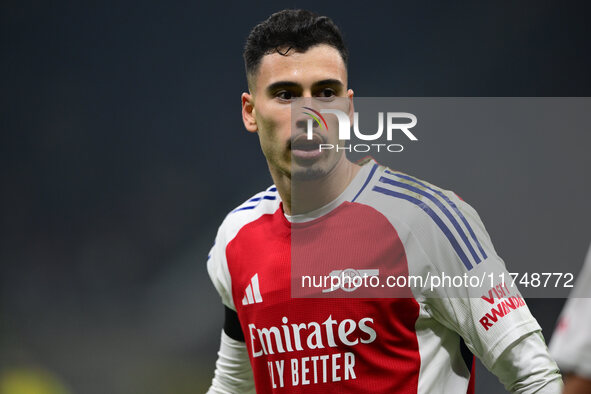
(290, 30)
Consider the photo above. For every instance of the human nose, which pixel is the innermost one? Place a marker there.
(304, 111)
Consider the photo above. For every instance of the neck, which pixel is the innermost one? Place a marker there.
(303, 196)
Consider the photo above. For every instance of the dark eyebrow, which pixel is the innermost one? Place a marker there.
(334, 82)
(289, 84)
(282, 84)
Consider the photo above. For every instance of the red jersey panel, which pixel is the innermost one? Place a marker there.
(314, 345)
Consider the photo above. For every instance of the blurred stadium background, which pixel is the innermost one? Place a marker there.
(122, 149)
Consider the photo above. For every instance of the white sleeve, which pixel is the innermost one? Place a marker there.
(233, 373)
(217, 267)
(451, 242)
(265, 202)
(490, 317)
(571, 343)
(526, 367)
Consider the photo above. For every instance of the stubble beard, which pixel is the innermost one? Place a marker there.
(307, 174)
(283, 163)
(314, 171)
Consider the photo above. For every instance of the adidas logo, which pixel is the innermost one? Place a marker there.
(252, 294)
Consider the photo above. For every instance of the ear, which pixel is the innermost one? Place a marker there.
(248, 113)
(351, 105)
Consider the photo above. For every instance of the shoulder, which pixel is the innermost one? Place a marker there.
(436, 219)
(411, 199)
(262, 203)
(265, 202)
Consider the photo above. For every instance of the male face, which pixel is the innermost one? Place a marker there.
(319, 73)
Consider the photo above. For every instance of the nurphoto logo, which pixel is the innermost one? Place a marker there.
(345, 129)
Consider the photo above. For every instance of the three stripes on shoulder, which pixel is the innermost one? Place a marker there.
(457, 229)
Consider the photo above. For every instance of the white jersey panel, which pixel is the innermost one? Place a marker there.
(438, 348)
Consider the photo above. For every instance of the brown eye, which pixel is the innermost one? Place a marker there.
(284, 95)
(327, 93)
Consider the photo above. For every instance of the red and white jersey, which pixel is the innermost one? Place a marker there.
(385, 223)
(571, 342)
